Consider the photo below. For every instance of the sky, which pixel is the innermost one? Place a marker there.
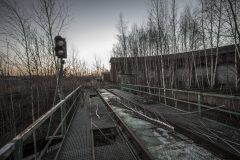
(93, 29)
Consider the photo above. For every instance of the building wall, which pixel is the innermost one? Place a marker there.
(226, 74)
(183, 70)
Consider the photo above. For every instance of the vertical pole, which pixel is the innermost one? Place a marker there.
(175, 98)
(199, 104)
(159, 93)
(60, 88)
(18, 155)
(164, 93)
(35, 145)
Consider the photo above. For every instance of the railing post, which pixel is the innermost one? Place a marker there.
(35, 145)
(175, 101)
(18, 152)
(164, 93)
(188, 104)
(199, 104)
(159, 93)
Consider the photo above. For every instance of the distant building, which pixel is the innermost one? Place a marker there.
(106, 76)
(181, 70)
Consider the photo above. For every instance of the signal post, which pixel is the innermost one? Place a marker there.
(61, 53)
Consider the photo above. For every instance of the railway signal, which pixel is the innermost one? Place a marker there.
(61, 53)
(60, 47)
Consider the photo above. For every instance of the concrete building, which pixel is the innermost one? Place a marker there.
(195, 69)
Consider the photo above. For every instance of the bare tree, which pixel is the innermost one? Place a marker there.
(51, 16)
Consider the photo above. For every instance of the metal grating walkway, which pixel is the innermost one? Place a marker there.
(113, 152)
(78, 140)
(78, 143)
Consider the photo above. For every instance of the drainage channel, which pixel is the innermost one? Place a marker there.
(160, 142)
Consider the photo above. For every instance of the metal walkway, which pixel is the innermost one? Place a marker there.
(78, 143)
(96, 132)
(92, 133)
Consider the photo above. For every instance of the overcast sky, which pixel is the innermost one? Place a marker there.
(93, 30)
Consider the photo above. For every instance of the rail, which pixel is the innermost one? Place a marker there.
(42, 131)
(225, 103)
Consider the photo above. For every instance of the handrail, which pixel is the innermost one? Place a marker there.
(9, 148)
(198, 103)
(192, 92)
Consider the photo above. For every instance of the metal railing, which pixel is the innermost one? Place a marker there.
(37, 139)
(221, 135)
(223, 103)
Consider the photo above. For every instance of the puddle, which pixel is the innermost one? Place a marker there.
(161, 143)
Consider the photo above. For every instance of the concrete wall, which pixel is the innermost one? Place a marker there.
(183, 70)
(226, 74)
